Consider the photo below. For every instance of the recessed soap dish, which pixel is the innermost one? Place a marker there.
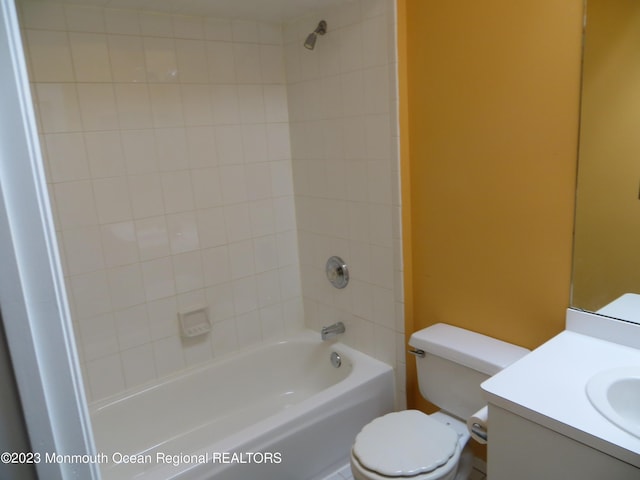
(194, 323)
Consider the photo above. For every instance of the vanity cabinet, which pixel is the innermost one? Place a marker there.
(541, 423)
(521, 449)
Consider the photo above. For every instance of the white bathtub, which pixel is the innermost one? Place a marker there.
(281, 408)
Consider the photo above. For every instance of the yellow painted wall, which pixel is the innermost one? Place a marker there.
(607, 227)
(489, 119)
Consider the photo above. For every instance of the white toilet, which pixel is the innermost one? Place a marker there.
(451, 363)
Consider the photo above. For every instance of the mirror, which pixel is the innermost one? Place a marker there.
(606, 263)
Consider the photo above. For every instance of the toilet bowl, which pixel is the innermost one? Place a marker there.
(412, 445)
(451, 364)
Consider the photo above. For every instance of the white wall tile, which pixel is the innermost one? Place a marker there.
(83, 250)
(155, 24)
(138, 365)
(82, 18)
(375, 49)
(158, 278)
(249, 328)
(50, 56)
(183, 232)
(112, 200)
(166, 105)
(272, 67)
(41, 15)
(275, 101)
(245, 31)
(127, 57)
(268, 288)
(224, 337)
(185, 26)
(238, 222)
(270, 33)
(224, 104)
(168, 355)
(278, 141)
(222, 69)
(126, 286)
(67, 157)
(105, 376)
(234, 187)
(97, 106)
(258, 181)
(119, 244)
(90, 57)
(220, 303)
(139, 151)
(134, 106)
(211, 227)
(172, 149)
(272, 321)
(241, 259)
(218, 29)
(247, 63)
(177, 191)
(105, 154)
(132, 326)
(266, 253)
(153, 238)
(229, 144)
(196, 102)
(262, 217)
(216, 265)
(76, 207)
(192, 61)
(197, 350)
(99, 338)
(58, 107)
(90, 294)
(201, 146)
(121, 21)
(163, 319)
(187, 268)
(207, 191)
(251, 104)
(245, 295)
(146, 195)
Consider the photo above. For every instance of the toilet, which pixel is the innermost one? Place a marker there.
(410, 445)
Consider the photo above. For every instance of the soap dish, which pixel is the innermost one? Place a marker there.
(194, 322)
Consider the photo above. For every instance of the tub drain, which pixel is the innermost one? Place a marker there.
(336, 361)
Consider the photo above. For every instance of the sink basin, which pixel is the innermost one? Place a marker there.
(616, 395)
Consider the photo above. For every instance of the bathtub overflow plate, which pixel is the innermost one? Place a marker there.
(337, 272)
(336, 361)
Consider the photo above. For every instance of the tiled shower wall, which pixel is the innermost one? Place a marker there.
(166, 142)
(344, 138)
(167, 146)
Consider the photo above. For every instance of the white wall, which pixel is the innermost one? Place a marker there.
(343, 114)
(167, 151)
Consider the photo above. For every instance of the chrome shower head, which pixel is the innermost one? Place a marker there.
(321, 29)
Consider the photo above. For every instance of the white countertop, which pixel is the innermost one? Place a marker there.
(548, 387)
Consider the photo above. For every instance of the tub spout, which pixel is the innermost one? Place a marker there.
(332, 330)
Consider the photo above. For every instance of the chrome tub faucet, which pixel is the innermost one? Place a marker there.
(332, 331)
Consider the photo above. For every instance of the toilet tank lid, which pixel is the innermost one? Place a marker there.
(474, 350)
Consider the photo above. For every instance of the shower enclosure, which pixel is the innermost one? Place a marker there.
(198, 156)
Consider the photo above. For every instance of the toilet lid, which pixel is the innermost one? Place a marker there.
(406, 443)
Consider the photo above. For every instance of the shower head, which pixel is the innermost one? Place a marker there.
(321, 29)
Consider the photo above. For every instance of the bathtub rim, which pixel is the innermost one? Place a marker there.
(304, 335)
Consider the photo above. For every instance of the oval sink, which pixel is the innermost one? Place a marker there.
(616, 395)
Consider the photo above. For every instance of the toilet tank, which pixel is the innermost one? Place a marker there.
(456, 361)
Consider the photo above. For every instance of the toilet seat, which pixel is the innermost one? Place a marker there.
(407, 444)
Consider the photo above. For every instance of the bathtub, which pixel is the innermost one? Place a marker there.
(279, 411)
